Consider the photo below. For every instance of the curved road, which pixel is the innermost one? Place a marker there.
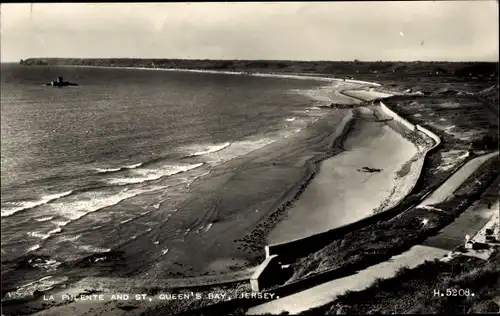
(327, 292)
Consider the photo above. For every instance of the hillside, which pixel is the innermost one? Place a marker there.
(361, 69)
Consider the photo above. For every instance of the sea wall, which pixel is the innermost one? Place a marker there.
(437, 140)
(396, 117)
(291, 250)
(374, 84)
(267, 273)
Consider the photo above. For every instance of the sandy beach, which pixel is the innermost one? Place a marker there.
(242, 195)
(333, 198)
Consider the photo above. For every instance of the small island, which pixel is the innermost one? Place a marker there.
(60, 83)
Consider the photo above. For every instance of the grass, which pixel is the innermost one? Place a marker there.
(380, 241)
(413, 290)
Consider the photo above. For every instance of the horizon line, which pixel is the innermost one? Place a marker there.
(268, 60)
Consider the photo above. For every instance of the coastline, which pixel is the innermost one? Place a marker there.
(297, 76)
(332, 200)
(308, 162)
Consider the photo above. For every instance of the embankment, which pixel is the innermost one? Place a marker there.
(296, 248)
(396, 117)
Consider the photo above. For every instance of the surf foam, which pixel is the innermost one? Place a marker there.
(144, 175)
(207, 149)
(107, 170)
(90, 202)
(25, 205)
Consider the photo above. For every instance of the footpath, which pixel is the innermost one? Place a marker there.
(327, 292)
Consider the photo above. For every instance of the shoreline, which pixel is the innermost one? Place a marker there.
(141, 282)
(313, 162)
(326, 205)
(297, 76)
(132, 68)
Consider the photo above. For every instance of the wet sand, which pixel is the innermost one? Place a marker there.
(204, 235)
(342, 192)
(238, 196)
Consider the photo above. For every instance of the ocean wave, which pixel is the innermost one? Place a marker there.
(69, 238)
(93, 201)
(241, 148)
(43, 262)
(46, 235)
(34, 247)
(61, 223)
(108, 170)
(144, 175)
(44, 219)
(126, 221)
(208, 149)
(93, 249)
(43, 284)
(291, 119)
(25, 205)
(319, 94)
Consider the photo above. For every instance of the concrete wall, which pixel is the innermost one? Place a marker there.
(396, 117)
(362, 82)
(267, 274)
(436, 138)
(289, 251)
(409, 125)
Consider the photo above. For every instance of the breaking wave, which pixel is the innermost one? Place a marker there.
(107, 170)
(44, 236)
(144, 175)
(25, 205)
(210, 149)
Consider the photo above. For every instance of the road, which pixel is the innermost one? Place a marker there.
(445, 191)
(327, 292)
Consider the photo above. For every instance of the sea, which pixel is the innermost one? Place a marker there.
(68, 154)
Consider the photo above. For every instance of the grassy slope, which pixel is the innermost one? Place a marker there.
(379, 242)
(412, 290)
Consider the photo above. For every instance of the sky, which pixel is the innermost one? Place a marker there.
(385, 30)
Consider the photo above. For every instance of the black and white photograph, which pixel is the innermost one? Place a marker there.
(250, 158)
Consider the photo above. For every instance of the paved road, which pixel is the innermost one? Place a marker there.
(469, 222)
(327, 292)
(445, 191)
